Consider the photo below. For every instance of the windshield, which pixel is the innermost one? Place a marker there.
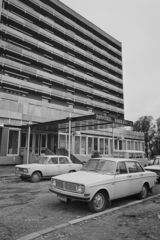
(100, 165)
(42, 160)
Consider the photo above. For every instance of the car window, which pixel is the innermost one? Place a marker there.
(54, 160)
(139, 168)
(50, 161)
(106, 167)
(121, 168)
(43, 160)
(63, 160)
(132, 168)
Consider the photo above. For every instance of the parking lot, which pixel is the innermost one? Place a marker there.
(27, 207)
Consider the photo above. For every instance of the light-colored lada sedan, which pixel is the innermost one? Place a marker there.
(47, 166)
(102, 180)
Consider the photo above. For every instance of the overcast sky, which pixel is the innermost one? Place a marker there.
(135, 23)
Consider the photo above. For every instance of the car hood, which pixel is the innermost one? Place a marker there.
(83, 177)
(156, 167)
(32, 165)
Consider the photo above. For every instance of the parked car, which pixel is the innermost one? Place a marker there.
(155, 167)
(102, 180)
(47, 166)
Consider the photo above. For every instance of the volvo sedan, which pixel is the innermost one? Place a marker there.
(102, 180)
(47, 166)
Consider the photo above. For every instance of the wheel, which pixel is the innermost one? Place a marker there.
(98, 202)
(158, 180)
(144, 192)
(36, 177)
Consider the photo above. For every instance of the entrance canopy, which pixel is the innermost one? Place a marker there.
(94, 121)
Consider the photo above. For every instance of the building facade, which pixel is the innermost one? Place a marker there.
(53, 63)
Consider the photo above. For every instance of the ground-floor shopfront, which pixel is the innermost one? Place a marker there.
(80, 136)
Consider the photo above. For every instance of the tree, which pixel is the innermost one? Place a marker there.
(145, 124)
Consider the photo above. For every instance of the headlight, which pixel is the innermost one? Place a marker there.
(80, 189)
(25, 170)
(53, 182)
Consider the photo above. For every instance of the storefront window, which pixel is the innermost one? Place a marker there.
(95, 144)
(111, 146)
(90, 145)
(124, 144)
(83, 145)
(106, 146)
(101, 145)
(115, 144)
(128, 145)
(23, 139)
(37, 144)
(120, 145)
(77, 145)
(13, 142)
(62, 141)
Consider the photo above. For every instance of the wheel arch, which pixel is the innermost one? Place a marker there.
(101, 189)
(39, 171)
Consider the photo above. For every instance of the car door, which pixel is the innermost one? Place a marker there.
(122, 181)
(53, 166)
(64, 165)
(137, 173)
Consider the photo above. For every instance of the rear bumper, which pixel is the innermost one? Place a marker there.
(82, 198)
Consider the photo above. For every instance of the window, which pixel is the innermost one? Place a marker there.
(77, 145)
(106, 146)
(132, 167)
(23, 139)
(54, 160)
(120, 145)
(13, 142)
(90, 145)
(122, 169)
(115, 144)
(95, 144)
(63, 160)
(139, 168)
(83, 145)
(62, 141)
(101, 145)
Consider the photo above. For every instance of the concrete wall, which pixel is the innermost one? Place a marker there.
(10, 160)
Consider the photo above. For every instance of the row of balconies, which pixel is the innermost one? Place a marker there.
(56, 79)
(38, 44)
(53, 25)
(55, 93)
(49, 63)
(60, 16)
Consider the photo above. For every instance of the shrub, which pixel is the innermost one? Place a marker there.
(95, 154)
(62, 151)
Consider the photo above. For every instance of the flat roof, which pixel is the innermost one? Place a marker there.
(93, 120)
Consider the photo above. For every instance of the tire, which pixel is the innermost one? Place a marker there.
(144, 192)
(36, 177)
(98, 202)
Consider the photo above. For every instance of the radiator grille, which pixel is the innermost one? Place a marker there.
(66, 186)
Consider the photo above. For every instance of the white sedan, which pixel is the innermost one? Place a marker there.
(102, 180)
(155, 167)
(47, 166)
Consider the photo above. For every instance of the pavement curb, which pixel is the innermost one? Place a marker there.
(51, 229)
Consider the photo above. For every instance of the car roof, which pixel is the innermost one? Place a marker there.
(52, 156)
(129, 151)
(117, 159)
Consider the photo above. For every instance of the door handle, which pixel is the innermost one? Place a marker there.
(129, 176)
(141, 174)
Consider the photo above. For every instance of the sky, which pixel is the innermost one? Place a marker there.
(136, 24)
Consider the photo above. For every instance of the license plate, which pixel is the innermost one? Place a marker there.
(61, 198)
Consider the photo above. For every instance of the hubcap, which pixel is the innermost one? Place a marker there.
(35, 177)
(99, 201)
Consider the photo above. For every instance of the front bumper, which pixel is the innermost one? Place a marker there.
(27, 175)
(69, 195)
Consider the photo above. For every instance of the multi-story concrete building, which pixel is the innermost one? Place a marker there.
(53, 63)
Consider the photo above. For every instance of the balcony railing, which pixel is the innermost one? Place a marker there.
(51, 92)
(63, 30)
